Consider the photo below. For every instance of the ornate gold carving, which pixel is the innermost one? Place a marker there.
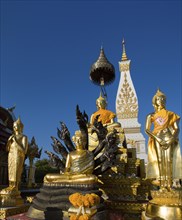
(126, 206)
(124, 67)
(127, 106)
(162, 197)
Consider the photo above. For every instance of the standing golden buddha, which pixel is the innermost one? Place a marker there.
(164, 160)
(163, 146)
(17, 146)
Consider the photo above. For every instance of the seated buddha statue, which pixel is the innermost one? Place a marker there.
(79, 165)
(105, 116)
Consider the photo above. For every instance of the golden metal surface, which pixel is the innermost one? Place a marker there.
(163, 197)
(107, 118)
(124, 56)
(17, 146)
(79, 165)
(164, 212)
(164, 163)
(7, 200)
(126, 207)
(164, 157)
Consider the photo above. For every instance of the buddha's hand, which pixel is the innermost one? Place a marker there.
(168, 142)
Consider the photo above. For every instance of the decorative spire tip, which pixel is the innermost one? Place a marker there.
(124, 56)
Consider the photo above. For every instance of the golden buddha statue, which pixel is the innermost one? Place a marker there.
(106, 117)
(164, 157)
(79, 165)
(17, 146)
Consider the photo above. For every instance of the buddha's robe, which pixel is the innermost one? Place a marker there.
(80, 163)
(105, 116)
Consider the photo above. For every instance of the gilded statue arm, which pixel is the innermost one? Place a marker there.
(23, 147)
(148, 124)
(112, 121)
(9, 143)
(25, 144)
(149, 132)
(175, 131)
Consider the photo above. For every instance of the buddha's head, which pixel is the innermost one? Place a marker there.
(18, 126)
(101, 103)
(79, 139)
(159, 100)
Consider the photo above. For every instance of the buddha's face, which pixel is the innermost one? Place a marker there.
(79, 141)
(17, 128)
(160, 101)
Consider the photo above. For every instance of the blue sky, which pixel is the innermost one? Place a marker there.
(48, 47)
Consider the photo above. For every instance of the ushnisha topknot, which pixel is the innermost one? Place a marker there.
(102, 101)
(158, 93)
(19, 123)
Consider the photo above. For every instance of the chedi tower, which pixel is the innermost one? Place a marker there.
(127, 108)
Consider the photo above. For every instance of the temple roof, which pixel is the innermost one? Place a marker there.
(6, 125)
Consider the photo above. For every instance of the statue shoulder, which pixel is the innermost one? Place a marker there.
(173, 114)
(24, 136)
(150, 115)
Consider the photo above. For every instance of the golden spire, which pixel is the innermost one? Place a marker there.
(124, 57)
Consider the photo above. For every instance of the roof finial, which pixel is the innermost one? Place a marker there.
(124, 57)
(102, 46)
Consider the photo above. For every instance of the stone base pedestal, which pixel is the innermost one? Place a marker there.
(10, 201)
(49, 213)
(53, 200)
(10, 211)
